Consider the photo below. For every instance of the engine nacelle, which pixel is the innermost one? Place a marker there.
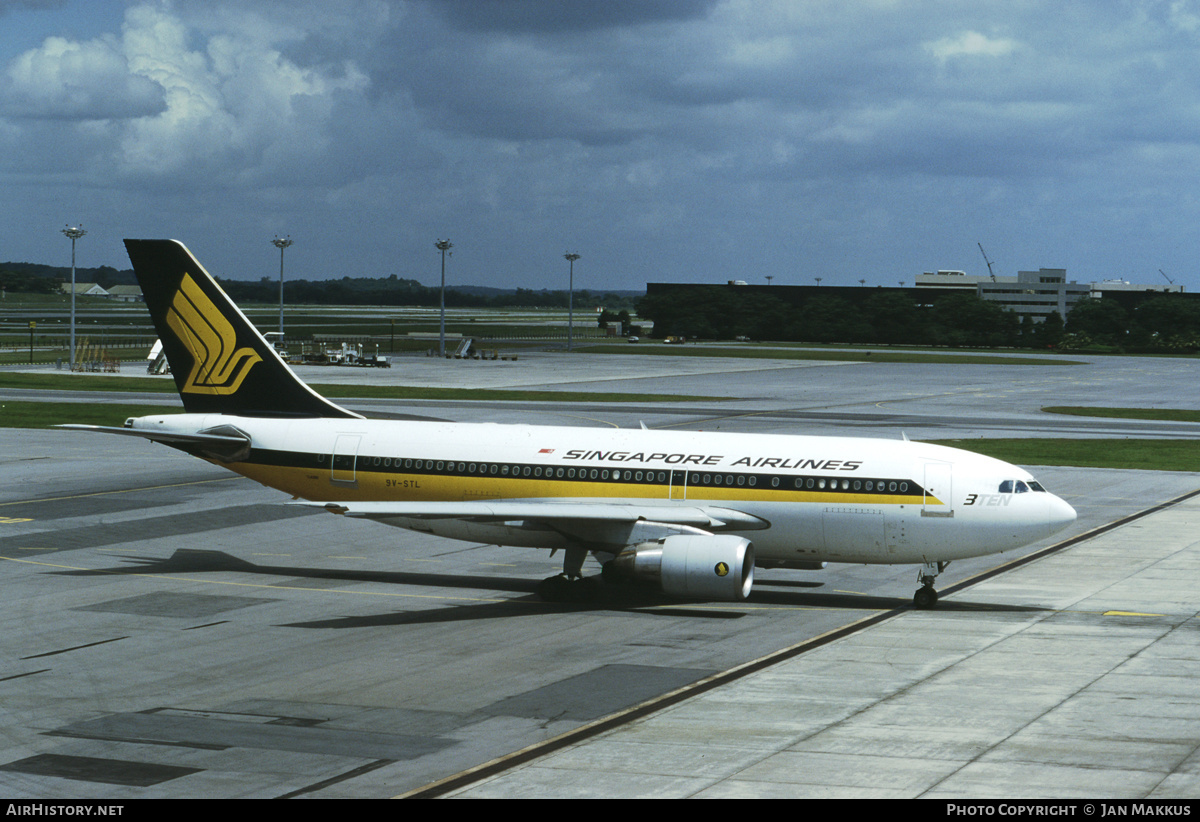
(694, 566)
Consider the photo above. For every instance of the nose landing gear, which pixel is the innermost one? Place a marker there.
(926, 596)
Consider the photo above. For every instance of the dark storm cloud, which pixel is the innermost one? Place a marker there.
(850, 138)
(7, 6)
(559, 16)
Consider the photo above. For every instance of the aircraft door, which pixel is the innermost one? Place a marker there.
(345, 458)
(679, 480)
(939, 490)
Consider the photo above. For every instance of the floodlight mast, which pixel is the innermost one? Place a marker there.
(73, 233)
(571, 257)
(443, 246)
(281, 244)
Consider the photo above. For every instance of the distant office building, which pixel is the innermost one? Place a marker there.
(1033, 295)
(1112, 287)
(1036, 294)
(958, 280)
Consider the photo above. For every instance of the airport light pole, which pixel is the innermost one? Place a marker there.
(281, 244)
(443, 246)
(571, 258)
(73, 233)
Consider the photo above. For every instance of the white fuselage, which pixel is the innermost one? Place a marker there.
(800, 499)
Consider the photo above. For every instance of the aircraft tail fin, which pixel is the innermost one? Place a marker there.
(220, 362)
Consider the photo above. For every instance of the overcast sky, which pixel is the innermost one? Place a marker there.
(662, 140)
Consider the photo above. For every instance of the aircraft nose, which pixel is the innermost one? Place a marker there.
(1060, 514)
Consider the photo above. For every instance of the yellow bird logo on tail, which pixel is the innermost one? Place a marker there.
(218, 365)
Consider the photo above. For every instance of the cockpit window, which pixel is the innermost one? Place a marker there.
(1022, 487)
(1036, 486)
(1006, 487)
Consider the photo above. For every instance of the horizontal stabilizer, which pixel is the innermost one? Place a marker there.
(226, 447)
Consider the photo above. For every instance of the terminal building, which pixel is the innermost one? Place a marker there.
(1035, 294)
(1032, 295)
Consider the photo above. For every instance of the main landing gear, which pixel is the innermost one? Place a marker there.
(926, 597)
(571, 585)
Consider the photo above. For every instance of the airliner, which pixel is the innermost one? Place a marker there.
(689, 514)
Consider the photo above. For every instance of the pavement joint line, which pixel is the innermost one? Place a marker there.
(123, 491)
(591, 729)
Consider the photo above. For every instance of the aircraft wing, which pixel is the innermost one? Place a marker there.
(604, 522)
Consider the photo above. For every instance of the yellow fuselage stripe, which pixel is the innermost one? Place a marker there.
(316, 483)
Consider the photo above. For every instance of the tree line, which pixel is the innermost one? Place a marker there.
(397, 291)
(393, 290)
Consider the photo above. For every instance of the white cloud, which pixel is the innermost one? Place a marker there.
(76, 81)
(970, 44)
(229, 106)
(1183, 18)
(216, 106)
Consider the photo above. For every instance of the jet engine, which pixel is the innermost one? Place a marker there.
(692, 566)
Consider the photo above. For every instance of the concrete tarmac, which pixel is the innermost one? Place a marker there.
(168, 631)
(1082, 681)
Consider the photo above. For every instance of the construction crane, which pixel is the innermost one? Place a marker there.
(991, 273)
(1160, 271)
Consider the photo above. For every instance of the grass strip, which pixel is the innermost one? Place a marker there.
(1167, 414)
(1147, 455)
(21, 414)
(1150, 455)
(88, 382)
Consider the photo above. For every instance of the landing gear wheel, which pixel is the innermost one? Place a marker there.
(925, 597)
